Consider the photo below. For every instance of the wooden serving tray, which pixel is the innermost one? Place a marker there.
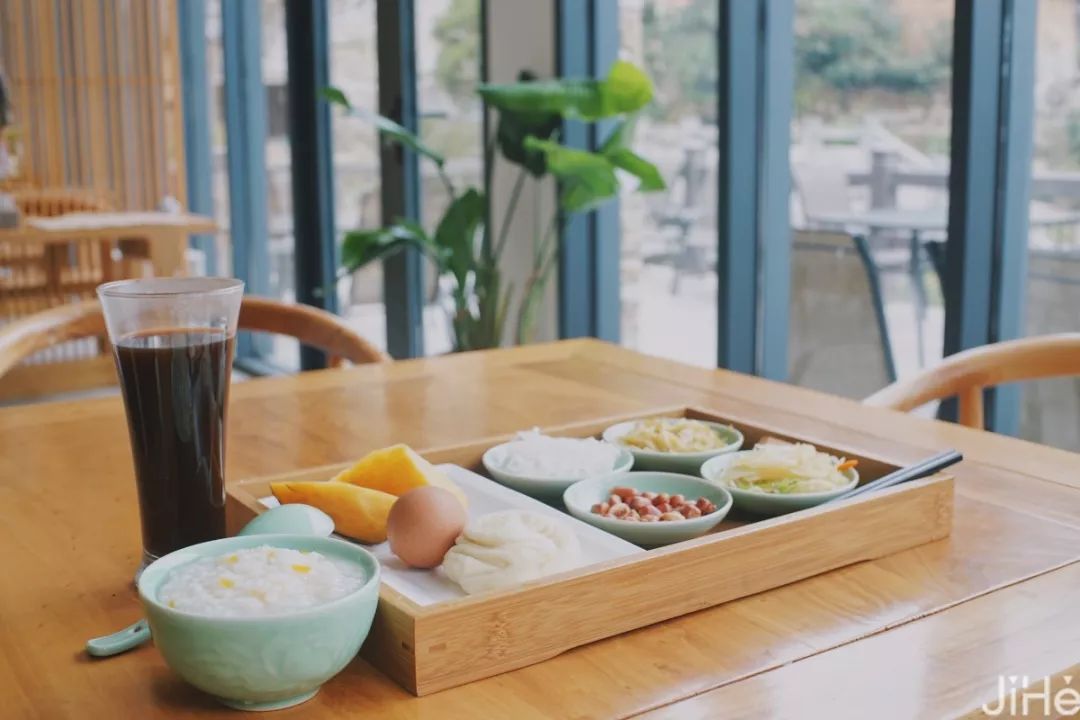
(434, 647)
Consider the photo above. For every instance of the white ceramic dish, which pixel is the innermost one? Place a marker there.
(769, 504)
(549, 490)
(581, 496)
(688, 463)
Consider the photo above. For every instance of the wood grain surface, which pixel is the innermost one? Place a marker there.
(934, 625)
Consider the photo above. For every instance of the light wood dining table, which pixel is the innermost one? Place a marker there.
(921, 634)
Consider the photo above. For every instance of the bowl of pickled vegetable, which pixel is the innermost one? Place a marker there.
(679, 445)
(773, 479)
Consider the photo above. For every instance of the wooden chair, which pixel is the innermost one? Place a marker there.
(311, 326)
(966, 374)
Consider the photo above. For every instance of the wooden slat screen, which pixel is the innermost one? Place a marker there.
(96, 91)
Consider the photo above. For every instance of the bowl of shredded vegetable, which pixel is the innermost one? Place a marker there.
(673, 444)
(773, 479)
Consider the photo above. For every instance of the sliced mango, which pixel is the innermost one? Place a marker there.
(397, 470)
(358, 512)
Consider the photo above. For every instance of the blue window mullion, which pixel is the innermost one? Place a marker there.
(607, 248)
(245, 129)
(777, 73)
(1014, 197)
(587, 39)
(403, 277)
(737, 210)
(989, 183)
(191, 20)
(311, 153)
(754, 93)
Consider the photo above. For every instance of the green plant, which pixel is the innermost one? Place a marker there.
(462, 246)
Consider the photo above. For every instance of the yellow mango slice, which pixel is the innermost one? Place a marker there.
(397, 470)
(358, 512)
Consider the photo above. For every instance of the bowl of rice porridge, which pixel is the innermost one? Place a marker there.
(544, 467)
(261, 621)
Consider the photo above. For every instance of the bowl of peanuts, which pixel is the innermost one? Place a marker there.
(649, 508)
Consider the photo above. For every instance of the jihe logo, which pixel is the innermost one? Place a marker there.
(1016, 697)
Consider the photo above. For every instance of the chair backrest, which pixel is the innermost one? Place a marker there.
(838, 339)
(966, 374)
(311, 326)
(50, 202)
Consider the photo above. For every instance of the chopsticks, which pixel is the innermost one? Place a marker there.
(919, 470)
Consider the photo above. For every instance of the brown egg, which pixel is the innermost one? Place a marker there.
(423, 524)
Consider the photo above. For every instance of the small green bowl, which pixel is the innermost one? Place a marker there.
(688, 463)
(581, 496)
(262, 663)
(549, 490)
(770, 504)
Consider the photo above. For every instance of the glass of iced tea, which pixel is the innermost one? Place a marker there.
(173, 343)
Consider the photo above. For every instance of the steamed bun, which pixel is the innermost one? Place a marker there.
(510, 547)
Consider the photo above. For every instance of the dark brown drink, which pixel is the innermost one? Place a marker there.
(176, 388)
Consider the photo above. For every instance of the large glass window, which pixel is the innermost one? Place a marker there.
(1050, 410)
(281, 245)
(448, 68)
(215, 70)
(668, 263)
(354, 68)
(870, 165)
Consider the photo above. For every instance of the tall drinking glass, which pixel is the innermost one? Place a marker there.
(173, 342)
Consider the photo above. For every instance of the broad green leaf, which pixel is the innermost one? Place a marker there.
(456, 234)
(515, 127)
(626, 89)
(617, 149)
(622, 136)
(569, 98)
(388, 129)
(649, 178)
(588, 179)
(361, 247)
(336, 96)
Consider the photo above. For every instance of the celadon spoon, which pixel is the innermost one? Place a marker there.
(295, 519)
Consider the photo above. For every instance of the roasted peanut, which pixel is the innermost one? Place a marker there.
(626, 503)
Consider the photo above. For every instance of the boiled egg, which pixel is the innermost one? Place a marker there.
(423, 525)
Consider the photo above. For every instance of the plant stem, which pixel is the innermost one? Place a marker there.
(511, 208)
(489, 165)
(447, 182)
(543, 263)
(547, 239)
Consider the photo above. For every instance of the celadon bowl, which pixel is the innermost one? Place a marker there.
(262, 663)
(771, 504)
(550, 490)
(688, 463)
(581, 496)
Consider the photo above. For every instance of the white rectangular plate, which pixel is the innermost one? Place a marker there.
(427, 587)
